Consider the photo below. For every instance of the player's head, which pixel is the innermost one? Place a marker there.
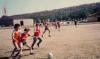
(16, 26)
(26, 29)
(37, 24)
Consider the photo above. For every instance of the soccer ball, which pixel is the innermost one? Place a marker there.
(50, 55)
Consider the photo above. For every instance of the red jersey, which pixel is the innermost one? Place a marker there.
(16, 36)
(37, 31)
(24, 36)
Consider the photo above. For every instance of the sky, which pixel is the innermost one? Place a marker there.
(15, 7)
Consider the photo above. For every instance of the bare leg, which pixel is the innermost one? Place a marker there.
(29, 48)
(34, 41)
(15, 48)
(20, 46)
(18, 52)
(43, 33)
(49, 31)
(59, 28)
(40, 40)
(75, 26)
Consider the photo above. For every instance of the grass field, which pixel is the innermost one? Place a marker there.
(82, 42)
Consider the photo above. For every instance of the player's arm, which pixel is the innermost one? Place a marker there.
(13, 36)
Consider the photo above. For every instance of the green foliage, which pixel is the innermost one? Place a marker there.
(80, 12)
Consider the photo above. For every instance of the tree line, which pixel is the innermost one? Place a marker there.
(76, 12)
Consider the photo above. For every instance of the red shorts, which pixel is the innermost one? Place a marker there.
(16, 41)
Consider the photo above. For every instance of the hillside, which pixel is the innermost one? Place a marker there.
(81, 11)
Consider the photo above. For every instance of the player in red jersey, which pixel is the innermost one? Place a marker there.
(36, 36)
(16, 37)
(24, 37)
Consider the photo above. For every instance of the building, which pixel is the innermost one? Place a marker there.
(6, 21)
(94, 17)
(24, 22)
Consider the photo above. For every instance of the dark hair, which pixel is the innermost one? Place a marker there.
(16, 25)
(37, 24)
(26, 29)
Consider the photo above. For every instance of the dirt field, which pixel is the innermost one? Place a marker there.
(82, 42)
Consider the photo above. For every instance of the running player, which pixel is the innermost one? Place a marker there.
(16, 35)
(46, 24)
(75, 23)
(37, 34)
(24, 37)
(55, 24)
(58, 25)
